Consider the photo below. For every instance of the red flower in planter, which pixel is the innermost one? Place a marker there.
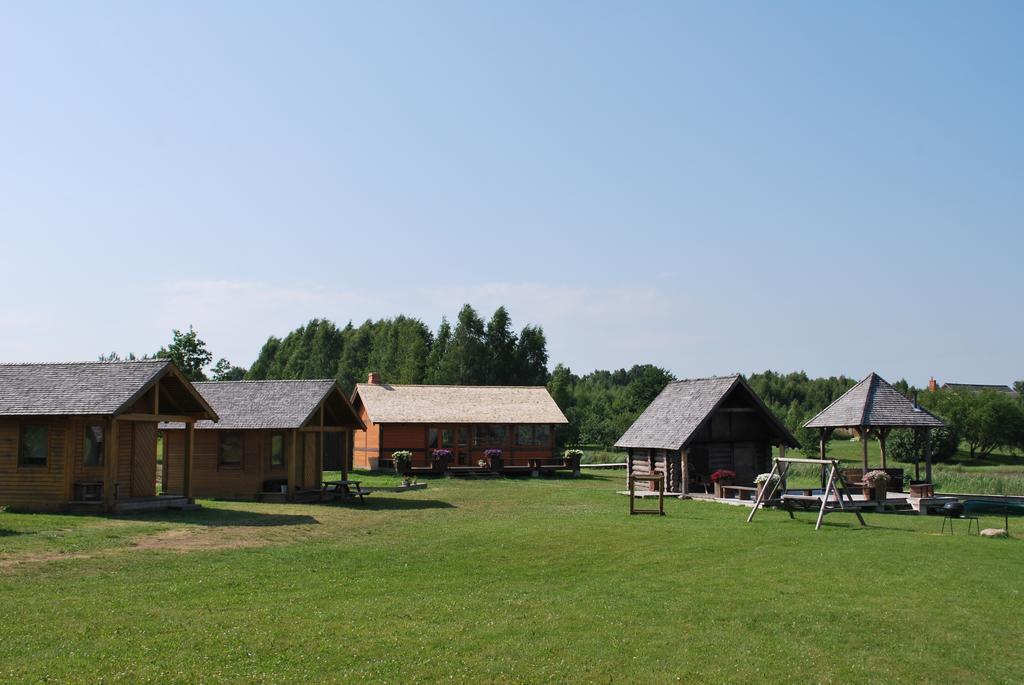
(722, 474)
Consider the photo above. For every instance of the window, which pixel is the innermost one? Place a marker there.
(532, 436)
(489, 435)
(277, 450)
(231, 449)
(35, 444)
(432, 439)
(447, 435)
(93, 449)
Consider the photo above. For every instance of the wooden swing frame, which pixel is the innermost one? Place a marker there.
(780, 468)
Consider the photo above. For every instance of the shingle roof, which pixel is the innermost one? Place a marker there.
(458, 404)
(675, 415)
(873, 402)
(243, 405)
(978, 387)
(78, 388)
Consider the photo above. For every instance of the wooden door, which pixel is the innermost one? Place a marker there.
(144, 460)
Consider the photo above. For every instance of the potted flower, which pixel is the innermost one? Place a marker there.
(402, 460)
(878, 481)
(441, 458)
(493, 457)
(765, 481)
(572, 458)
(722, 477)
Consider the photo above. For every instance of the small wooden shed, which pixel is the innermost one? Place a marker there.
(697, 426)
(272, 441)
(468, 420)
(84, 435)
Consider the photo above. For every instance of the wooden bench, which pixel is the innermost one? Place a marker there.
(345, 489)
(742, 491)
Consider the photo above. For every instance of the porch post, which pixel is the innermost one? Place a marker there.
(864, 448)
(928, 454)
(883, 433)
(186, 462)
(684, 461)
(347, 452)
(293, 460)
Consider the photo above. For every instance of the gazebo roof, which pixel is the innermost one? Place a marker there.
(873, 402)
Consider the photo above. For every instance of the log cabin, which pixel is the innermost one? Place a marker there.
(83, 436)
(273, 441)
(467, 420)
(695, 427)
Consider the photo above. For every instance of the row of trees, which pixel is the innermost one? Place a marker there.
(600, 405)
(404, 350)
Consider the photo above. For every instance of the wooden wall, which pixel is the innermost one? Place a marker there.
(33, 487)
(365, 443)
(212, 479)
(413, 437)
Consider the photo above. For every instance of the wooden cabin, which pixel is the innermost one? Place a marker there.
(273, 441)
(83, 436)
(468, 420)
(695, 427)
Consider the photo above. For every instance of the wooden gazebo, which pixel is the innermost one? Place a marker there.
(873, 407)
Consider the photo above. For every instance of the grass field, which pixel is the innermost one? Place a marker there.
(504, 580)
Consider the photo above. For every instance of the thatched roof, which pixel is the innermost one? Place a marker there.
(672, 420)
(90, 388)
(270, 405)
(873, 402)
(387, 403)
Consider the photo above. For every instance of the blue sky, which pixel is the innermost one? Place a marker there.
(712, 187)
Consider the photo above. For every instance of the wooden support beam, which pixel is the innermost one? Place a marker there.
(928, 454)
(864, 447)
(293, 461)
(883, 433)
(168, 418)
(156, 397)
(188, 449)
(323, 446)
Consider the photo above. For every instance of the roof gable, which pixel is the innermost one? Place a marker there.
(683, 407)
(874, 402)
(85, 388)
(387, 403)
(276, 404)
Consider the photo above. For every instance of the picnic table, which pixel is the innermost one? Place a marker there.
(345, 488)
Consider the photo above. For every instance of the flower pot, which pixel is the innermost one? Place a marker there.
(879, 491)
(718, 486)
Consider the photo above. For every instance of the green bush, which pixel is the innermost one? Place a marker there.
(907, 446)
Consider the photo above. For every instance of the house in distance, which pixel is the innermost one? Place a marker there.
(467, 420)
(273, 440)
(83, 435)
(695, 427)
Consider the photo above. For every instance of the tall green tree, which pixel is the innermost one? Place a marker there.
(986, 420)
(224, 370)
(466, 360)
(188, 352)
(436, 360)
(531, 357)
(502, 362)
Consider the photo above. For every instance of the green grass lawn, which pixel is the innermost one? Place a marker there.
(504, 580)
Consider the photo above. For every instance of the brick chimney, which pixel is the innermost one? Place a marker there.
(933, 385)
(374, 378)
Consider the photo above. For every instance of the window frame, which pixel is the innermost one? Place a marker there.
(281, 464)
(533, 429)
(22, 442)
(221, 464)
(99, 446)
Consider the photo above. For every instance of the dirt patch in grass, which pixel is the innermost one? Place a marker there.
(199, 539)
